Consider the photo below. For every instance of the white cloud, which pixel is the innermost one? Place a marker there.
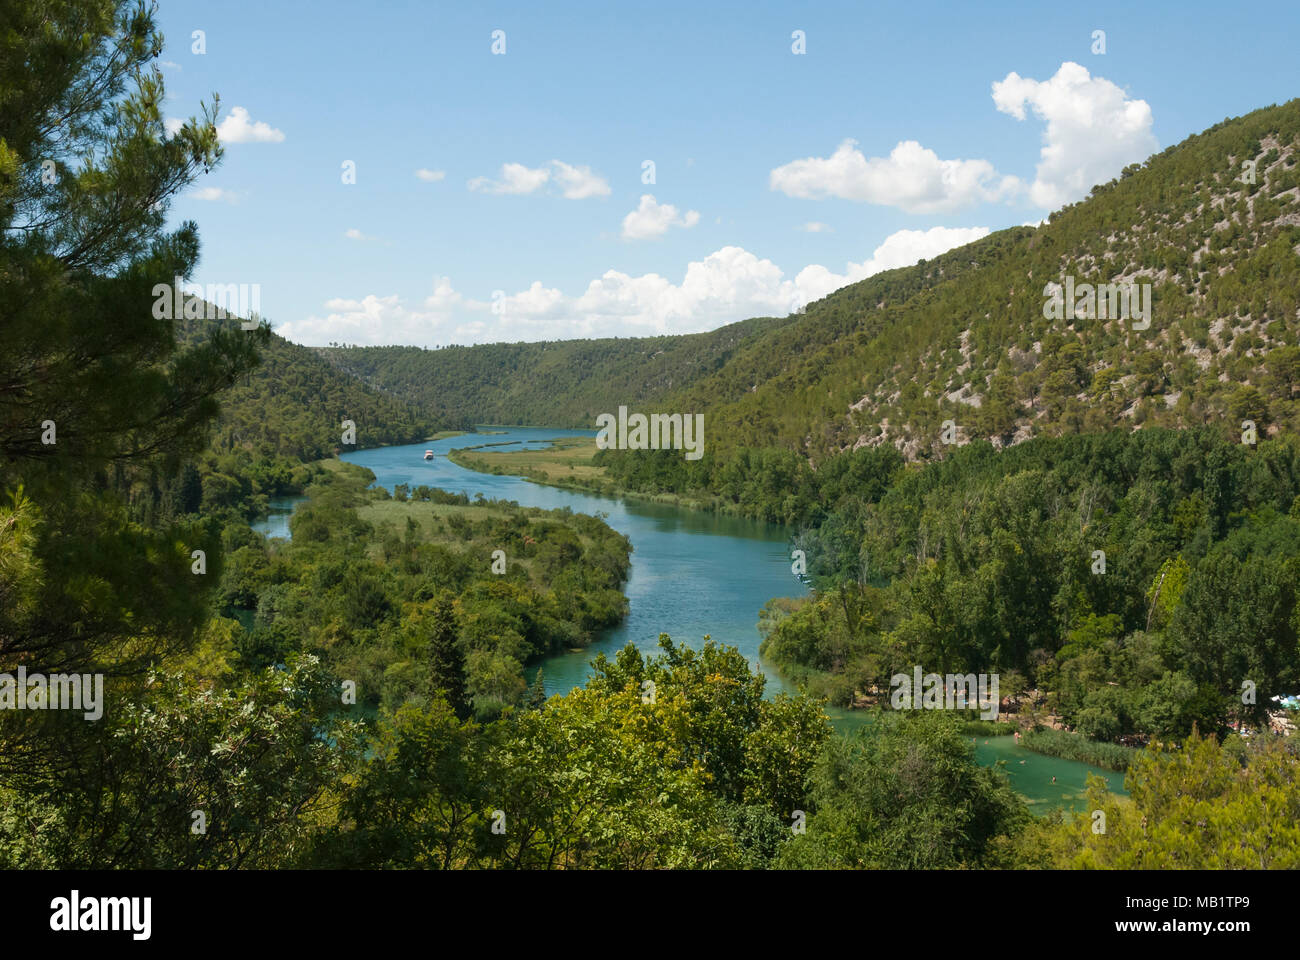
(531, 304)
(729, 284)
(814, 227)
(352, 233)
(430, 176)
(173, 125)
(1094, 130)
(377, 320)
(238, 127)
(652, 219)
(170, 64)
(575, 182)
(900, 249)
(911, 178)
(214, 194)
(515, 179)
(578, 183)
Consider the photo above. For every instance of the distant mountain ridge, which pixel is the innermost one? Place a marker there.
(293, 404)
(552, 383)
(963, 337)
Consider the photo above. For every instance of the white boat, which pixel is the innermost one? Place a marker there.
(428, 454)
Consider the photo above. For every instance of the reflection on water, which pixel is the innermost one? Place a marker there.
(276, 524)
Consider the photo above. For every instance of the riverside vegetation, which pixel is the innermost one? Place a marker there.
(398, 591)
(229, 685)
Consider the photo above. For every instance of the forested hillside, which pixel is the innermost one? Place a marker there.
(357, 695)
(974, 345)
(293, 405)
(287, 410)
(963, 337)
(555, 384)
(1143, 579)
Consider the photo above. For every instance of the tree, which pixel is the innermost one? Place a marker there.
(590, 782)
(1236, 620)
(904, 793)
(1283, 366)
(420, 799)
(445, 658)
(719, 696)
(1150, 369)
(96, 390)
(192, 778)
(1203, 807)
(1247, 403)
(84, 353)
(537, 692)
(81, 255)
(781, 752)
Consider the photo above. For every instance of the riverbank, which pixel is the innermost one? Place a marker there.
(567, 464)
(1072, 746)
(694, 573)
(517, 583)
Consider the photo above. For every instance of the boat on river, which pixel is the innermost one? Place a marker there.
(428, 454)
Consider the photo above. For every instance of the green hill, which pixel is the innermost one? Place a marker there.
(963, 337)
(972, 344)
(559, 384)
(294, 403)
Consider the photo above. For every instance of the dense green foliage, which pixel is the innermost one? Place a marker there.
(550, 383)
(288, 410)
(372, 585)
(987, 562)
(905, 794)
(768, 483)
(97, 391)
(357, 696)
(285, 413)
(1206, 806)
(701, 773)
(293, 406)
(253, 759)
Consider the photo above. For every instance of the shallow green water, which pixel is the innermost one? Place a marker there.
(1030, 773)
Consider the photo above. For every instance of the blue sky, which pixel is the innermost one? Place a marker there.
(760, 200)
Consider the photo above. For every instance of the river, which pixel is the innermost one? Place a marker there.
(693, 573)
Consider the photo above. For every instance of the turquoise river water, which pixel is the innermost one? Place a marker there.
(693, 573)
